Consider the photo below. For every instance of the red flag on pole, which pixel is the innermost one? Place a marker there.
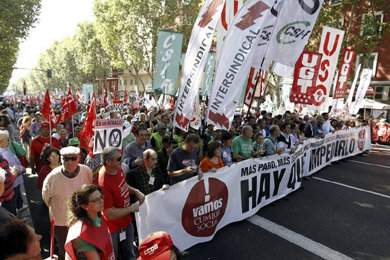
(69, 108)
(86, 132)
(47, 110)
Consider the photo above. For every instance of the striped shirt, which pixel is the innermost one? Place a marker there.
(9, 181)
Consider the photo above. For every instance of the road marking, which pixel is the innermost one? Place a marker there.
(371, 164)
(297, 239)
(354, 188)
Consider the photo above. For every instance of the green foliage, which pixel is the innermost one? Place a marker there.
(128, 29)
(16, 18)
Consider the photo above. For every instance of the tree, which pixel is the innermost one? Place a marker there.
(363, 31)
(16, 19)
(128, 29)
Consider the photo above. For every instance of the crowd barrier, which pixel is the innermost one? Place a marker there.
(192, 211)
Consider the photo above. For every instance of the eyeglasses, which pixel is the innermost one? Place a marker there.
(70, 159)
(97, 199)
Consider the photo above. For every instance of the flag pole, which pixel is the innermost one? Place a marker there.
(73, 126)
(50, 128)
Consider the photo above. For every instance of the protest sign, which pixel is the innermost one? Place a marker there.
(107, 132)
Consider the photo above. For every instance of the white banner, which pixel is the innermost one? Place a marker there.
(265, 36)
(107, 132)
(195, 61)
(229, 11)
(348, 103)
(193, 211)
(196, 120)
(364, 83)
(293, 28)
(330, 46)
(235, 61)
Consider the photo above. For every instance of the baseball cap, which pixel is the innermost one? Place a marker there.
(156, 246)
(73, 141)
(45, 124)
(70, 150)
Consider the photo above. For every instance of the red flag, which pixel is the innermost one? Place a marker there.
(305, 76)
(125, 97)
(344, 71)
(69, 108)
(86, 132)
(47, 110)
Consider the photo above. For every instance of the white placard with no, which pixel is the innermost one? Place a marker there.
(108, 132)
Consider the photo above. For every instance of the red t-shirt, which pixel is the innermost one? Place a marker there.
(36, 149)
(116, 195)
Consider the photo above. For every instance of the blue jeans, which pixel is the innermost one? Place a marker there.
(123, 250)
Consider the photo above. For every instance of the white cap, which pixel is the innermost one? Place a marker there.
(70, 150)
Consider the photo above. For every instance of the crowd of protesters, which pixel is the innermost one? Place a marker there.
(92, 199)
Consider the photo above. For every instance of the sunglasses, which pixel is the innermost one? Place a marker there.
(70, 159)
(119, 159)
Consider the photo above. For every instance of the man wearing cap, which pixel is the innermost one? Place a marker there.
(41, 142)
(156, 138)
(58, 187)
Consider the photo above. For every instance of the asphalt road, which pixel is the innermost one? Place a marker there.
(346, 218)
(343, 212)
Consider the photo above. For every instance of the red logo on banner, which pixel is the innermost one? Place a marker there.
(305, 77)
(211, 10)
(344, 71)
(204, 208)
(253, 13)
(220, 119)
(182, 120)
(250, 88)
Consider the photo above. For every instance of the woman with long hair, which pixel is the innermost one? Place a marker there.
(88, 236)
(50, 159)
(213, 160)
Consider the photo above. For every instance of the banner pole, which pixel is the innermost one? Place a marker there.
(73, 126)
(257, 81)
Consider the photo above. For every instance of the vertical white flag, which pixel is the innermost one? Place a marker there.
(230, 9)
(195, 61)
(364, 83)
(292, 30)
(330, 46)
(235, 62)
(348, 103)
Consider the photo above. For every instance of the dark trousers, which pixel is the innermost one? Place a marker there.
(60, 233)
(18, 197)
(10, 205)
